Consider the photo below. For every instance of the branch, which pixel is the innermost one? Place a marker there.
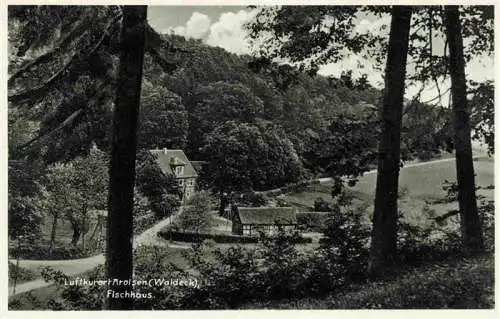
(436, 97)
(42, 58)
(154, 46)
(37, 91)
(69, 120)
(417, 96)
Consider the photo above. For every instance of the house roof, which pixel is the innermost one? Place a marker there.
(267, 215)
(166, 158)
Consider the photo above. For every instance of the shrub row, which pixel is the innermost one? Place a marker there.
(293, 187)
(218, 238)
(41, 252)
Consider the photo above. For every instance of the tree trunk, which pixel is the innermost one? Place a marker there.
(53, 233)
(123, 153)
(469, 219)
(385, 216)
(223, 203)
(84, 225)
(76, 232)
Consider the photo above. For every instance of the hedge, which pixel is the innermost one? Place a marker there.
(218, 238)
(40, 251)
(313, 221)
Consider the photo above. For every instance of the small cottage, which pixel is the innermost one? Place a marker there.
(250, 221)
(176, 162)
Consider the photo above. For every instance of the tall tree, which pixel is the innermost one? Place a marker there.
(470, 222)
(162, 190)
(384, 233)
(90, 182)
(62, 71)
(57, 198)
(123, 152)
(163, 119)
(316, 35)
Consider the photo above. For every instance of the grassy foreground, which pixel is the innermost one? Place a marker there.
(455, 284)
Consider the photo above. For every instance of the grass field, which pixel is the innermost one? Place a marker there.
(425, 182)
(421, 185)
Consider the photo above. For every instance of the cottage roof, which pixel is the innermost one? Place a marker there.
(167, 157)
(267, 215)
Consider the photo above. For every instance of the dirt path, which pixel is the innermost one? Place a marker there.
(78, 266)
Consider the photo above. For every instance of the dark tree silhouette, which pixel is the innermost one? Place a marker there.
(384, 234)
(469, 218)
(123, 152)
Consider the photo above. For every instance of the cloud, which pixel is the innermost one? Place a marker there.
(180, 30)
(197, 27)
(229, 33)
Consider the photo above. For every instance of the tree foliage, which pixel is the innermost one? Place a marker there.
(163, 119)
(196, 214)
(482, 115)
(162, 191)
(245, 156)
(65, 79)
(70, 190)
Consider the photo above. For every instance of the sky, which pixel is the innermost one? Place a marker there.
(222, 26)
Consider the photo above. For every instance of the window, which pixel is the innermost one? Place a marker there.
(179, 170)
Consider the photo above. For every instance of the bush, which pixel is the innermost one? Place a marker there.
(165, 206)
(24, 220)
(487, 216)
(312, 221)
(152, 262)
(230, 277)
(451, 189)
(193, 237)
(320, 205)
(344, 247)
(283, 267)
(252, 199)
(418, 244)
(273, 270)
(76, 297)
(20, 274)
(403, 192)
(144, 222)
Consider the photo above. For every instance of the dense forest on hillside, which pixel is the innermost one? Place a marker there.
(191, 89)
